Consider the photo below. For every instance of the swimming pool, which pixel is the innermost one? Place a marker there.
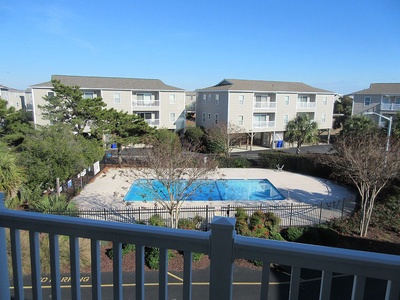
(209, 190)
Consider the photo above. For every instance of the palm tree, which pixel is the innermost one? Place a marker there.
(301, 130)
(12, 176)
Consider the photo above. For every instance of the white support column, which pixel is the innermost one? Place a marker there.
(221, 256)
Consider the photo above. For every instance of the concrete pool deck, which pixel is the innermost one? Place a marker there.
(109, 188)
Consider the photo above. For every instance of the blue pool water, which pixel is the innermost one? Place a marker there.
(209, 190)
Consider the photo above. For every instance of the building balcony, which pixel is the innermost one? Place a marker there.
(221, 243)
(390, 106)
(153, 122)
(145, 103)
(306, 105)
(263, 124)
(264, 105)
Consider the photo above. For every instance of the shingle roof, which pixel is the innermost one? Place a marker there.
(264, 86)
(380, 89)
(114, 83)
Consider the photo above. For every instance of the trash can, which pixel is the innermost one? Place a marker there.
(279, 144)
(114, 146)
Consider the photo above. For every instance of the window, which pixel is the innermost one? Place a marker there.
(117, 98)
(217, 99)
(302, 99)
(209, 116)
(145, 115)
(241, 99)
(209, 97)
(204, 117)
(323, 118)
(216, 118)
(172, 117)
(171, 98)
(367, 101)
(50, 94)
(240, 120)
(285, 119)
(325, 100)
(88, 95)
(287, 100)
(204, 98)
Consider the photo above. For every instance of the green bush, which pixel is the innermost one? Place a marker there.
(152, 257)
(196, 256)
(239, 162)
(126, 248)
(293, 234)
(188, 224)
(156, 220)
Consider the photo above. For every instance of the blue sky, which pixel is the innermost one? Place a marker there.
(338, 45)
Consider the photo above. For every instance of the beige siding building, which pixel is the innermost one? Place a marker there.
(15, 98)
(263, 108)
(161, 105)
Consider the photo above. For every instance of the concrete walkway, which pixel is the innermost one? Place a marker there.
(109, 188)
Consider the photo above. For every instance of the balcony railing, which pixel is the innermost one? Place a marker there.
(261, 105)
(390, 106)
(153, 122)
(263, 124)
(306, 104)
(145, 103)
(221, 244)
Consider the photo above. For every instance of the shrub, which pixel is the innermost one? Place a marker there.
(156, 220)
(152, 257)
(126, 248)
(196, 256)
(294, 234)
(239, 162)
(188, 224)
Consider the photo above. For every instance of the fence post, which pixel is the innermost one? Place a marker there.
(344, 199)
(221, 257)
(206, 216)
(228, 211)
(5, 280)
(291, 214)
(320, 213)
(105, 216)
(139, 214)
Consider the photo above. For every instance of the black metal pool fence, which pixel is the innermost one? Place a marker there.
(292, 214)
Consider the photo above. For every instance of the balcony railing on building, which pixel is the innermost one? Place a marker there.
(263, 124)
(221, 243)
(306, 104)
(390, 106)
(264, 105)
(145, 103)
(153, 122)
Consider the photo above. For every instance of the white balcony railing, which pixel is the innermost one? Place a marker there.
(267, 105)
(263, 124)
(221, 244)
(390, 106)
(153, 122)
(306, 104)
(145, 103)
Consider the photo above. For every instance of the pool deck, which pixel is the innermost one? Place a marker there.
(109, 188)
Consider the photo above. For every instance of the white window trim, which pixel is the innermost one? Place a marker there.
(204, 117)
(172, 117)
(172, 99)
(117, 98)
(365, 98)
(287, 100)
(241, 100)
(216, 118)
(241, 120)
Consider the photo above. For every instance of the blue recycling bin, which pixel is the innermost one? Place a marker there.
(279, 144)
(114, 146)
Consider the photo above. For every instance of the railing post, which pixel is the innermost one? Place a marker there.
(221, 256)
(5, 280)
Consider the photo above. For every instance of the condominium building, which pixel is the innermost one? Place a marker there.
(263, 108)
(161, 105)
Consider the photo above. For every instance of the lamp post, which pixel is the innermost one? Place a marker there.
(390, 119)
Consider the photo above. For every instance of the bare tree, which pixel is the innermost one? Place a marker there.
(223, 137)
(178, 169)
(362, 158)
